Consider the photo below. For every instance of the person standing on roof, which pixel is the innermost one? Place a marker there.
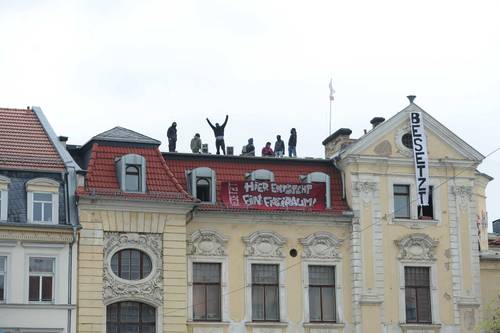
(172, 137)
(292, 143)
(279, 147)
(219, 135)
(196, 144)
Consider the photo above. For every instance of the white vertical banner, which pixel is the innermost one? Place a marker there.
(420, 156)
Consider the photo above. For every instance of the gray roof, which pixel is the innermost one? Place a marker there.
(120, 134)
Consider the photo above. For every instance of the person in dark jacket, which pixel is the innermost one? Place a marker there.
(279, 147)
(219, 135)
(292, 143)
(249, 149)
(172, 137)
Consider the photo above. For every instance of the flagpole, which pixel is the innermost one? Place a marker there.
(330, 122)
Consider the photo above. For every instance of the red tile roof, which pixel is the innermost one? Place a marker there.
(234, 169)
(24, 144)
(102, 180)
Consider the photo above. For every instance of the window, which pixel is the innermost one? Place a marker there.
(130, 317)
(321, 293)
(203, 189)
(202, 184)
(42, 207)
(417, 295)
(265, 292)
(407, 140)
(427, 212)
(131, 264)
(133, 178)
(320, 178)
(41, 279)
(3, 268)
(261, 174)
(402, 201)
(207, 291)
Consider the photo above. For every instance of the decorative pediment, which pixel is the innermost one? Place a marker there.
(149, 288)
(205, 242)
(417, 247)
(264, 244)
(321, 245)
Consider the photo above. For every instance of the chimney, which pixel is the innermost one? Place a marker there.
(204, 148)
(63, 140)
(230, 150)
(411, 98)
(377, 121)
(337, 141)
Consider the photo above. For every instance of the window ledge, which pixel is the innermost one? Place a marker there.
(208, 323)
(266, 324)
(415, 223)
(324, 325)
(424, 328)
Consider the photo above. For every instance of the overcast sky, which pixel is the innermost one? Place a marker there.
(93, 65)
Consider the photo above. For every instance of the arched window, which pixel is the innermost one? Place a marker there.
(130, 317)
(203, 189)
(131, 264)
(133, 178)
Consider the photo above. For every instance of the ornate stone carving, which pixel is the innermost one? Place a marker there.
(417, 247)
(264, 244)
(205, 242)
(400, 147)
(364, 189)
(463, 195)
(151, 287)
(321, 245)
(384, 148)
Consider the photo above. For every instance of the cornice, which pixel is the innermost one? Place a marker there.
(55, 236)
(135, 206)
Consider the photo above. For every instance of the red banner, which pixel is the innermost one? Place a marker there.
(272, 196)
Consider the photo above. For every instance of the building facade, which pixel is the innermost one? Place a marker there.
(38, 226)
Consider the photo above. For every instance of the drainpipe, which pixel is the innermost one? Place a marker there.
(70, 252)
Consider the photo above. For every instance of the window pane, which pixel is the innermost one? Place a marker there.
(2, 287)
(42, 197)
(272, 303)
(34, 288)
(129, 312)
(265, 274)
(314, 304)
(129, 328)
(258, 302)
(47, 288)
(401, 206)
(37, 211)
(132, 179)
(417, 276)
(148, 314)
(203, 189)
(146, 265)
(2, 264)
(321, 275)
(411, 305)
(328, 303)
(206, 273)
(199, 302)
(44, 265)
(213, 302)
(401, 189)
(47, 212)
(112, 312)
(135, 265)
(424, 305)
(148, 329)
(125, 267)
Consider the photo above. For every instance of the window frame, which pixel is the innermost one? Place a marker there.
(408, 200)
(321, 177)
(43, 186)
(141, 264)
(206, 284)
(194, 175)
(125, 161)
(137, 173)
(416, 288)
(321, 286)
(263, 175)
(264, 286)
(156, 324)
(40, 275)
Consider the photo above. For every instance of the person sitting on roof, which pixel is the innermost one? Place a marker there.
(267, 150)
(279, 147)
(196, 144)
(249, 149)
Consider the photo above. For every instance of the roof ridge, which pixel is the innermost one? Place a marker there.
(173, 178)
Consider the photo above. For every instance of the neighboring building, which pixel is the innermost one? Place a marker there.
(38, 223)
(413, 270)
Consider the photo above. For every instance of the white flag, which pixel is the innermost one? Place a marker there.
(331, 90)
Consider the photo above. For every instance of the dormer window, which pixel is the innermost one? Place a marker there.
(261, 174)
(43, 200)
(4, 197)
(133, 178)
(131, 173)
(202, 184)
(321, 178)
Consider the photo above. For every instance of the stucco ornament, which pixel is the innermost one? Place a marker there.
(264, 244)
(463, 195)
(205, 242)
(417, 247)
(364, 189)
(321, 245)
(149, 288)
(400, 147)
